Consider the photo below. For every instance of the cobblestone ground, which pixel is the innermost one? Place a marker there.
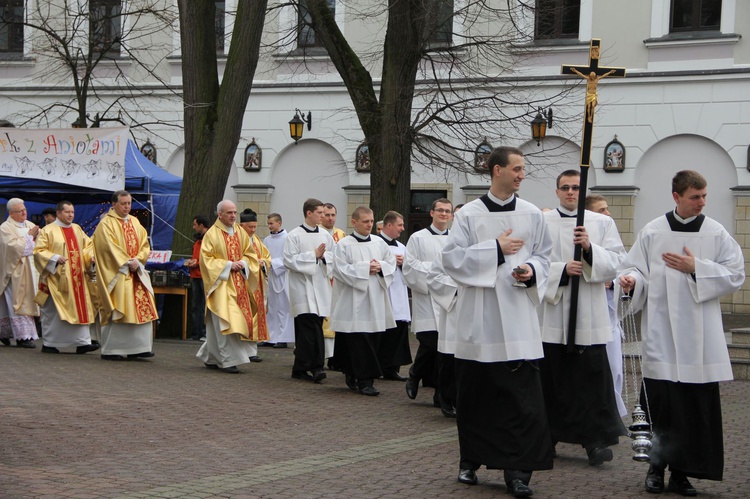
(77, 426)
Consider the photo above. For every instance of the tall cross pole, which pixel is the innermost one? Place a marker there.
(592, 74)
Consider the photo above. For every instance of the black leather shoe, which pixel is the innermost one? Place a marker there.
(393, 376)
(448, 410)
(87, 348)
(370, 391)
(681, 485)
(351, 382)
(655, 480)
(255, 358)
(301, 375)
(280, 345)
(469, 477)
(265, 344)
(46, 349)
(25, 344)
(318, 376)
(412, 387)
(210, 366)
(436, 400)
(113, 357)
(142, 355)
(598, 455)
(231, 370)
(5, 341)
(517, 488)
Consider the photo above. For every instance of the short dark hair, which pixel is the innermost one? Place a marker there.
(391, 217)
(311, 204)
(594, 198)
(687, 179)
(441, 201)
(275, 216)
(359, 211)
(119, 194)
(248, 215)
(501, 156)
(201, 220)
(566, 173)
(329, 206)
(58, 207)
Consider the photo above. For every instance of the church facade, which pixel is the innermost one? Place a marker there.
(683, 104)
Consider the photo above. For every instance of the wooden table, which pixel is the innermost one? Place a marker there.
(175, 290)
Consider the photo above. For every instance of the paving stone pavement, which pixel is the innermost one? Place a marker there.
(77, 426)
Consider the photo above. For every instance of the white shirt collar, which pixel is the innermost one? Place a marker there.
(567, 212)
(308, 227)
(436, 231)
(684, 220)
(59, 223)
(499, 201)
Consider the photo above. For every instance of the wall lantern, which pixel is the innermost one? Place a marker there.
(296, 124)
(540, 123)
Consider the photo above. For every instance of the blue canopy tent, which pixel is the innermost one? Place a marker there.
(155, 197)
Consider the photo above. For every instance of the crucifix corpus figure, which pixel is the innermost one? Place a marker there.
(592, 74)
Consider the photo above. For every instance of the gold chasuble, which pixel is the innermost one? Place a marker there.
(66, 284)
(260, 326)
(230, 297)
(126, 297)
(15, 269)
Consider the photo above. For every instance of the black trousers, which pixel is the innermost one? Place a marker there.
(356, 354)
(393, 348)
(447, 378)
(309, 348)
(425, 365)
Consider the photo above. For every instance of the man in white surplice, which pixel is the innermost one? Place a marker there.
(497, 241)
(280, 322)
(577, 383)
(308, 257)
(363, 269)
(681, 264)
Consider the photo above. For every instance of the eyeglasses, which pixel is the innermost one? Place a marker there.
(566, 188)
(442, 210)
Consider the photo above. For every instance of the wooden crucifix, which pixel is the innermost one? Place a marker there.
(592, 73)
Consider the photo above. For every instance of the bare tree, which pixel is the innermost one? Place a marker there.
(213, 110)
(102, 50)
(440, 90)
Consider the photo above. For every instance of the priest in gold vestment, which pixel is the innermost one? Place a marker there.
(249, 222)
(127, 298)
(63, 256)
(16, 278)
(229, 268)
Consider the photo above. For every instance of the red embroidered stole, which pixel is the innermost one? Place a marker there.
(75, 267)
(234, 253)
(144, 308)
(262, 326)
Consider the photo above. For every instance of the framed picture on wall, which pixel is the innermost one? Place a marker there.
(614, 156)
(253, 156)
(362, 158)
(481, 156)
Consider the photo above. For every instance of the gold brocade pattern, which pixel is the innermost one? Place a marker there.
(234, 253)
(75, 264)
(261, 329)
(144, 307)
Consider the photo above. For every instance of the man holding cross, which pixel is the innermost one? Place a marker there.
(578, 390)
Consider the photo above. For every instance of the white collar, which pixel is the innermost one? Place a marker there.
(683, 220)
(499, 201)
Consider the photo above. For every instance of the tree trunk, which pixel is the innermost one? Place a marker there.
(213, 111)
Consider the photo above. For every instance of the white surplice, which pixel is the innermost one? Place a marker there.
(397, 291)
(422, 249)
(593, 326)
(309, 285)
(361, 302)
(279, 318)
(444, 291)
(683, 333)
(498, 321)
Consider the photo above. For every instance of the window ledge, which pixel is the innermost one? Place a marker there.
(307, 54)
(554, 45)
(692, 39)
(16, 60)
